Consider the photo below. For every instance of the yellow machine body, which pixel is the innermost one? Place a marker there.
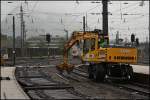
(99, 54)
(118, 55)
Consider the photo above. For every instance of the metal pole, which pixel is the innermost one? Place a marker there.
(117, 37)
(48, 52)
(67, 34)
(21, 24)
(105, 17)
(22, 31)
(23, 39)
(86, 21)
(14, 56)
(84, 24)
(84, 42)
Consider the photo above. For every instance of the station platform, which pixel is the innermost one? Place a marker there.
(10, 88)
(141, 69)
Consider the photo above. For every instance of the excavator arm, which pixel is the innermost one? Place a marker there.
(76, 37)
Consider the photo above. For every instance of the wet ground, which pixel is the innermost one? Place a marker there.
(82, 87)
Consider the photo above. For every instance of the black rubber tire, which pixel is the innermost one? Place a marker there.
(130, 73)
(90, 76)
(90, 71)
(99, 73)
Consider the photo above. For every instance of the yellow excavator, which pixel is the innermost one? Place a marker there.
(103, 60)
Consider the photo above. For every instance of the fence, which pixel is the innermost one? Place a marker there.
(35, 52)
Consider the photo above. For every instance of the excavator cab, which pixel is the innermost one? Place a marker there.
(88, 45)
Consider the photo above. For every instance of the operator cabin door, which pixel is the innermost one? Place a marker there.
(89, 50)
(88, 45)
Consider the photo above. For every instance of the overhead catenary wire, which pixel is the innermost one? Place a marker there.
(90, 9)
(83, 13)
(76, 17)
(127, 7)
(131, 20)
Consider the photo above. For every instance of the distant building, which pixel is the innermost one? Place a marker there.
(40, 41)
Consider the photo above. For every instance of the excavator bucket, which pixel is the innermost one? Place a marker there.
(65, 66)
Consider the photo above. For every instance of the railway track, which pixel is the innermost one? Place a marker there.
(40, 86)
(76, 75)
(133, 87)
(68, 77)
(140, 85)
(80, 73)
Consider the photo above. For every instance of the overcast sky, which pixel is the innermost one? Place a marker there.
(54, 16)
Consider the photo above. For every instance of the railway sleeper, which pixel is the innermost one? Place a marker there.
(47, 87)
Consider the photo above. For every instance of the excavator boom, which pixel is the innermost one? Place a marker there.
(76, 37)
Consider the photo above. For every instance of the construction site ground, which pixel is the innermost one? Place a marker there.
(84, 87)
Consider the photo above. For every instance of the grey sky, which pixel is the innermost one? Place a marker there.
(54, 16)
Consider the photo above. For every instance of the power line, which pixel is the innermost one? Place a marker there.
(34, 6)
(83, 13)
(126, 7)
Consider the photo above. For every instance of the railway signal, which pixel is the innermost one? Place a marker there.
(137, 41)
(132, 37)
(48, 38)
